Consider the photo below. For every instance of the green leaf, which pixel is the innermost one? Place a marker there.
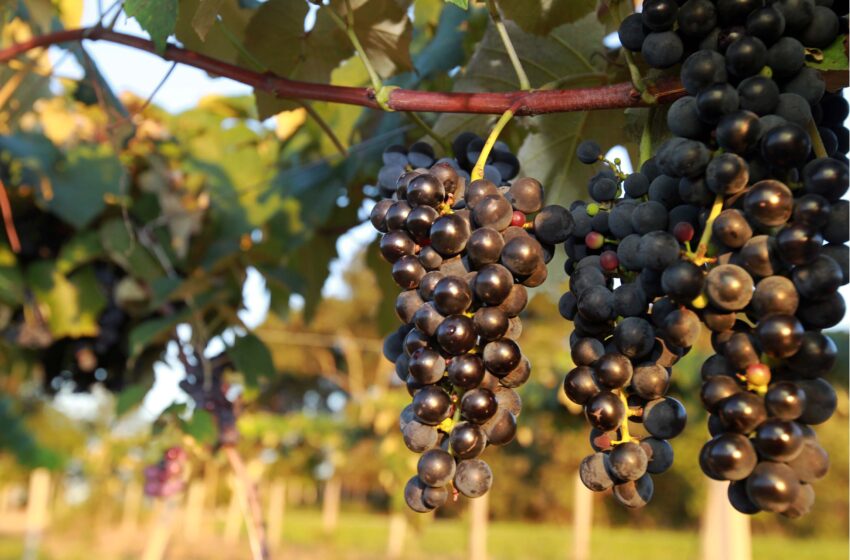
(204, 17)
(542, 17)
(384, 30)
(154, 330)
(157, 17)
(79, 250)
(83, 182)
(386, 316)
(130, 397)
(158, 329)
(834, 56)
(69, 304)
(128, 252)
(201, 426)
(462, 4)
(252, 358)
(276, 37)
(215, 43)
(571, 56)
(12, 289)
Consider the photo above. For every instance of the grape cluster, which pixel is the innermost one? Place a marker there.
(666, 32)
(464, 253)
(166, 477)
(738, 223)
(623, 344)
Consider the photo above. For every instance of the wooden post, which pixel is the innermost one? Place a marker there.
(398, 532)
(159, 535)
(211, 476)
(133, 496)
(582, 520)
(478, 519)
(233, 521)
(725, 532)
(194, 516)
(330, 504)
(5, 498)
(38, 498)
(276, 513)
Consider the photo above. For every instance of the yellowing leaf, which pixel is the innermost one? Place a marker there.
(287, 122)
(204, 17)
(70, 12)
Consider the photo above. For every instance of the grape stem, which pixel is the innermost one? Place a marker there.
(430, 131)
(496, 16)
(817, 141)
(646, 138)
(347, 27)
(625, 436)
(478, 170)
(700, 258)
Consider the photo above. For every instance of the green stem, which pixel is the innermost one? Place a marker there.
(326, 128)
(237, 44)
(347, 27)
(646, 138)
(637, 79)
(478, 170)
(705, 238)
(524, 83)
(817, 141)
(430, 132)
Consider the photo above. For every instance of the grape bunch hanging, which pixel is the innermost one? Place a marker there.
(464, 252)
(738, 223)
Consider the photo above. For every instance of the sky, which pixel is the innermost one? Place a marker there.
(139, 72)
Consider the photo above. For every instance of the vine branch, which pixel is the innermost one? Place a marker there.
(616, 96)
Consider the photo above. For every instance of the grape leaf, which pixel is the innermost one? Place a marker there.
(201, 426)
(252, 358)
(12, 289)
(204, 17)
(834, 56)
(384, 30)
(572, 55)
(157, 17)
(131, 396)
(276, 37)
(215, 43)
(462, 4)
(69, 304)
(542, 17)
(98, 169)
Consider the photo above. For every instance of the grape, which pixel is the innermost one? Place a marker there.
(636, 493)
(473, 478)
(778, 440)
(729, 216)
(786, 57)
(696, 18)
(772, 486)
(767, 24)
(742, 412)
(628, 461)
(662, 49)
(594, 474)
(703, 69)
(730, 456)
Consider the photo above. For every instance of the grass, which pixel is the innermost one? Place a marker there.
(363, 535)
